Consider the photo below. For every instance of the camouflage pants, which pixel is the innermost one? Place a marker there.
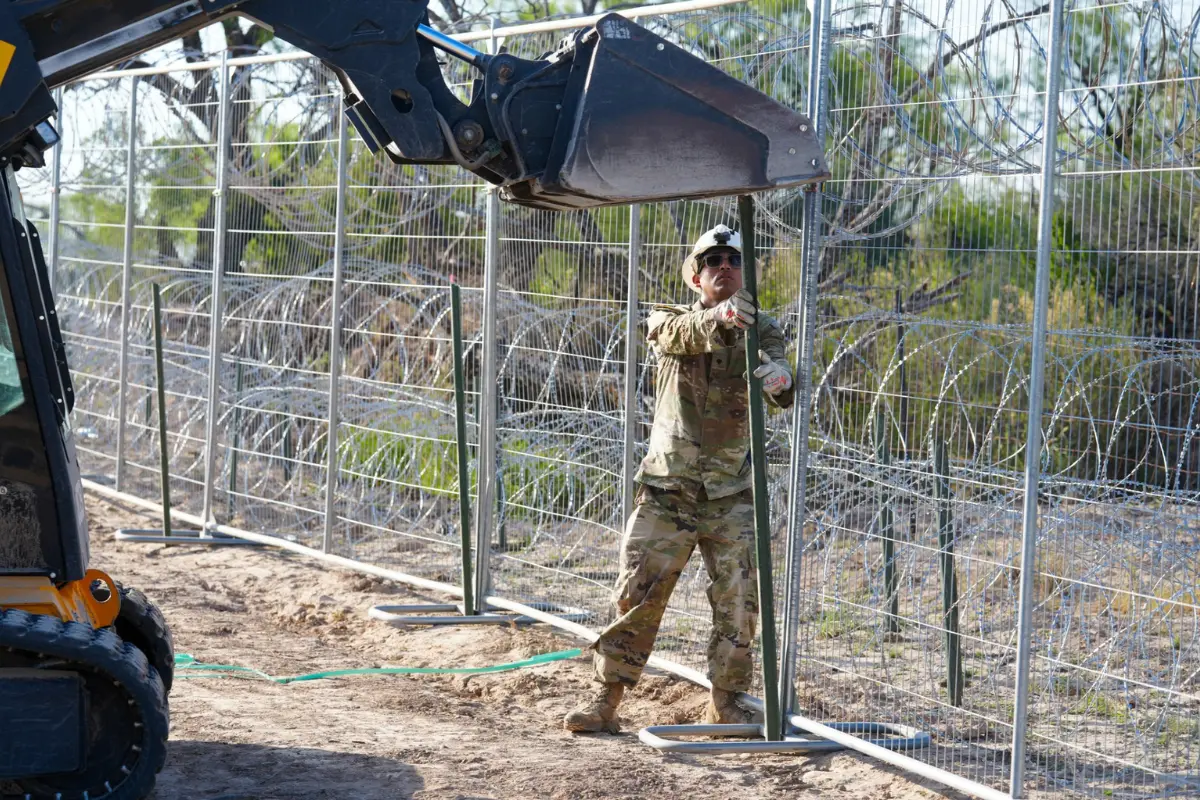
(660, 535)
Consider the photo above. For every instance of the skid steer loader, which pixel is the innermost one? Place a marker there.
(614, 115)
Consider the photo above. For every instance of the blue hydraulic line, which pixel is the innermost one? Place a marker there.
(454, 47)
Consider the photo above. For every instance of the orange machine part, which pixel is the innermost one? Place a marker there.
(75, 601)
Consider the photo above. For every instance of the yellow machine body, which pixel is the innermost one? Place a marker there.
(75, 601)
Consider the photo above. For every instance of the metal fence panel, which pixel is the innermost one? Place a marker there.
(90, 231)
(909, 580)
(909, 600)
(1115, 647)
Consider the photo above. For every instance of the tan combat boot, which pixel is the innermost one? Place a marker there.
(723, 709)
(598, 714)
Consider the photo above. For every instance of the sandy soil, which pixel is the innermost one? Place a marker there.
(378, 738)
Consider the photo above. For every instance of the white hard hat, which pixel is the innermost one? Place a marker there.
(720, 236)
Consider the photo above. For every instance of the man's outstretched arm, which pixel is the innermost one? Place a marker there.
(685, 333)
(680, 332)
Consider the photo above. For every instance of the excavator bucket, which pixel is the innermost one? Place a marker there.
(640, 120)
(615, 115)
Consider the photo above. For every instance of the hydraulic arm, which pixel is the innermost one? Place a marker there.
(616, 114)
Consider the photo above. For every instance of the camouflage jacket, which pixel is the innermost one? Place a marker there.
(701, 422)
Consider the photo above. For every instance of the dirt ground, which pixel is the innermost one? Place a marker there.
(421, 737)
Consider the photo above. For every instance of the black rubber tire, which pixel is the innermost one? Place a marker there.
(129, 714)
(143, 625)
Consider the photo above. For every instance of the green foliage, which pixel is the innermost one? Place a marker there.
(100, 213)
(180, 197)
(400, 454)
(545, 480)
(836, 622)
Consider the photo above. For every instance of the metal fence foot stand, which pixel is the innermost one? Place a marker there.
(671, 738)
(186, 537)
(425, 614)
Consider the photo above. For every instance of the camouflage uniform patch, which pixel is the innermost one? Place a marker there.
(664, 529)
(701, 420)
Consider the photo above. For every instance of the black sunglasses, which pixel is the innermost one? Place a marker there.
(715, 260)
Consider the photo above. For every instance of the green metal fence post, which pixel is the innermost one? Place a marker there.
(286, 443)
(887, 529)
(905, 421)
(460, 433)
(954, 664)
(758, 460)
(501, 495)
(163, 452)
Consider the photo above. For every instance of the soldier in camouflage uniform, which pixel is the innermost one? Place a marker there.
(694, 486)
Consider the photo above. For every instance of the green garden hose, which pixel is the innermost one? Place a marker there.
(187, 666)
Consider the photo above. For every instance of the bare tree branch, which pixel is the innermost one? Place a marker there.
(873, 118)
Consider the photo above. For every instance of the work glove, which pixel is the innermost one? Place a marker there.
(736, 312)
(776, 377)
